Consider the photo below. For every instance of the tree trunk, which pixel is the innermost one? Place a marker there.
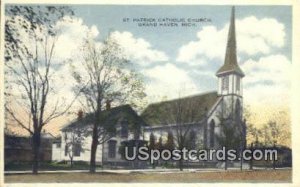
(95, 137)
(36, 141)
(241, 166)
(180, 162)
(242, 159)
(273, 159)
(93, 156)
(251, 160)
(226, 162)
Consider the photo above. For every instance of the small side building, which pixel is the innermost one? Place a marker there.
(127, 126)
(18, 149)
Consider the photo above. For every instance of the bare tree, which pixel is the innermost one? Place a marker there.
(30, 40)
(275, 133)
(74, 138)
(253, 138)
(253, 134)
(105, 78)
(230, 136)
(182, 114)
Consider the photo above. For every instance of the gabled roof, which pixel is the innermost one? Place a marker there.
(162, 113)
(230, 63)
(109, 117)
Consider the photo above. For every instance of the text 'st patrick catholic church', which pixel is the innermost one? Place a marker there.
(199, 121)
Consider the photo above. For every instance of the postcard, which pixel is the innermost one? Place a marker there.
(113, 93)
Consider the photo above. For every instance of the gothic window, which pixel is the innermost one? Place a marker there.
(225, 83)
(77, 149)
(112, 148)
(238, 109)
(124, 129)
(192, 139)
(212, 134)
(238, 84)
(152, 140)
(205, 135)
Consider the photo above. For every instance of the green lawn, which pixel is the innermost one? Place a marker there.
(269, 176)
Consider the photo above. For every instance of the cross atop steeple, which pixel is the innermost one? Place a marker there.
(230, 63)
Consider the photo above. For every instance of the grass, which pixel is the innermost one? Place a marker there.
(272, 176)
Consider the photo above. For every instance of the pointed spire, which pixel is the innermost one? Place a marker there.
(230, 64)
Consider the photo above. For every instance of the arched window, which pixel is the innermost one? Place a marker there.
(112, 148)
(205, 135)
(212, 134)
(238, 110)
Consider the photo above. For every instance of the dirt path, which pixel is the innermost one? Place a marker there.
(228, 176)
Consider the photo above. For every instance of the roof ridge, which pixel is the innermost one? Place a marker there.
(118, 110)
(153, 113)
(90, 113)
(185, 97)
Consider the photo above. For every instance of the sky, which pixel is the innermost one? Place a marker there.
(172, 59)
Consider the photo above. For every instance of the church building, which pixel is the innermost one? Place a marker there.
(196, 121)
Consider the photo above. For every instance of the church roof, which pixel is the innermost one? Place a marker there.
(194, 109)
(109, 117)
(230, 65)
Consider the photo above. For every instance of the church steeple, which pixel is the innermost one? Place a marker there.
(230, 63)
(230, 74)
